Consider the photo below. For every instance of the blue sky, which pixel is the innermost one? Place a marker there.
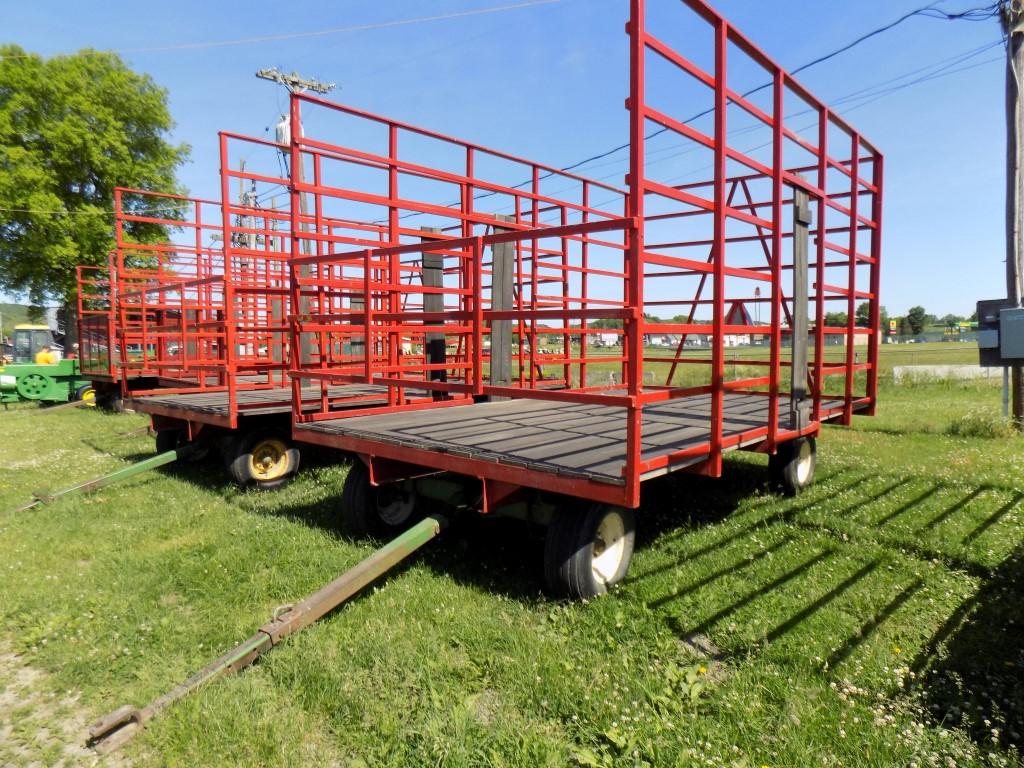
(548, 83)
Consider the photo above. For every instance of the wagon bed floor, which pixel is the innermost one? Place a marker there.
(260, 402)
(571, 439)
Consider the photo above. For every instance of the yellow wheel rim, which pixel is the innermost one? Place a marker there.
(269, 459)
(89, 397)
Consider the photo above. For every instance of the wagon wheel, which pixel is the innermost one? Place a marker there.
(172, 439)
(35, 386)
(792, 467)
(588, 550)
(375, 511)
(263, 459)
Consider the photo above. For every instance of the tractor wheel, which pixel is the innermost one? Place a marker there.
(587, 550)
(369, 511)
(36, 386)
(263, 459)
(792, 467)
(86, 394)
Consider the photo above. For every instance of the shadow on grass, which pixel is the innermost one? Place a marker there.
(1005, 628)
(972, 670)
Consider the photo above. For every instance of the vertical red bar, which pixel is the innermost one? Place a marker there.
(294, 250)
(851, 287)
(584, 305)
(323, 336)
(478, 315)
(718, 323)
(227, 354)
(566, 337)
(778, 161)
(368, 342)
(876, 284)
(633, 342)
(534, 284)
(819, 271)
(396, 395)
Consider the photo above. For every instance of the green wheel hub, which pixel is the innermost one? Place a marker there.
(35, 386)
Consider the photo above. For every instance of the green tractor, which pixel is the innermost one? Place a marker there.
(47, 381)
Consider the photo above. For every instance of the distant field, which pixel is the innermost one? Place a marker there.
(878, 620)
(890, 355)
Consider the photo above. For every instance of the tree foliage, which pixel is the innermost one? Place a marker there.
(72, 128)
(917, 319)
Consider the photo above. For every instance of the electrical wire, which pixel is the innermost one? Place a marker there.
(929, 11)
(314, 33)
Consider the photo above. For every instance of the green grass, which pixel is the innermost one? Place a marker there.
(698, 373)
(874, 621)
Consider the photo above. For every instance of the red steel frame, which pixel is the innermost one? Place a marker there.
(366, 282)
(96, 297)
(169, 303)
(216, 320)
(839, 170)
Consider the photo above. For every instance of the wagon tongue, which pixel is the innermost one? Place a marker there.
(122, 724)
(116, 729)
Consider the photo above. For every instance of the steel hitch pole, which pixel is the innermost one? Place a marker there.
(122, 724)
(154, 462)
(50, 409)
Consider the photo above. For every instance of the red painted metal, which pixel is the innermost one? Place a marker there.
(641, 250)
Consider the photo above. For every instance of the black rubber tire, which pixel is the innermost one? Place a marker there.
(171, 439)
(791, 469)
(238, 460)
(360, 508)
(569, 551)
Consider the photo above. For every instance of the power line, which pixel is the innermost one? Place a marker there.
(929, 11)
(314, 33)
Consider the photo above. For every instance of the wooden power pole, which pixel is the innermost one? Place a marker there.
(1013, 25)
(294, 83)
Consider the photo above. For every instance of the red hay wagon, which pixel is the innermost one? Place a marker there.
(475, 300)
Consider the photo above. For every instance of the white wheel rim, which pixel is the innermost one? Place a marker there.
(398, 508)
(804, 462)
(609, 547)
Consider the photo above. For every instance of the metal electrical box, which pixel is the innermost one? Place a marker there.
(1000, 333)
(1011, 335)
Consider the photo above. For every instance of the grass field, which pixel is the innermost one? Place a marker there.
(875, 621)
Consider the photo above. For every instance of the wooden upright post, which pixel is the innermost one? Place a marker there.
(433, 277)
(503, 260)
(799, 404)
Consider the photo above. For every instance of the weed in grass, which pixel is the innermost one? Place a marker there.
(982, 423)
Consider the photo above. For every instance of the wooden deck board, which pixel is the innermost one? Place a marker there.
(256, 402)
(564, 438)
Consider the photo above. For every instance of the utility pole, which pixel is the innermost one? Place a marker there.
(296, 84)
(1012, 17)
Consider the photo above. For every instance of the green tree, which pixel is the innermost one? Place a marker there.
(836, 319)
(863, 317)
(917, 319)
(71, 129)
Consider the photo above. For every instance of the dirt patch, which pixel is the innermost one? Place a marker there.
(39, 728)
(485, 706)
